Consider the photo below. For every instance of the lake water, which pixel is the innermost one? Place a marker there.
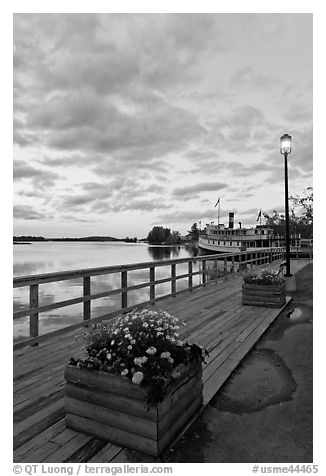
(48, 257)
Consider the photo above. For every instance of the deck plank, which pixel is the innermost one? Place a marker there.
(214, 317)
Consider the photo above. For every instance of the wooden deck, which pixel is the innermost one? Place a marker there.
(215, 319)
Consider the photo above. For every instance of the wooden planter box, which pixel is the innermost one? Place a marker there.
(271, 295)
(114, 409)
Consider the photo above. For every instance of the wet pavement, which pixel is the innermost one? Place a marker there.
(263, 413)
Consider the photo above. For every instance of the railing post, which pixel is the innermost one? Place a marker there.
(204, 273)
(87, 292)
(33, 318)
(232, 266)
(173, 281)
(225, 265)
(124, 294)
(190, 275)
(152, 285)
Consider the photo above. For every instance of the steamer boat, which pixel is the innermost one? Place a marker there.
(221, 239)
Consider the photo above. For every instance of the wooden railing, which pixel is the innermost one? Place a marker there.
(231, 263)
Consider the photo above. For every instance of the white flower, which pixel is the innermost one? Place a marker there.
(145, 324)
(124, 372)
(129, 347)
(137, 378)
(112, 342)
(151, 351)
(140, 360)
(108, 356)
(168, 337)
(170, 360)
(132, 341)
(165, 355)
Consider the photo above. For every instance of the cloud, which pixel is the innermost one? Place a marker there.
(187, 216)
(299, 112)
(197, 188)
(41, 178)
(117, 195)
(240, 131)
(118, 110)
(27, 212)
(248, 77)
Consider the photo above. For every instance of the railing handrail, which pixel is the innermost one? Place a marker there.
(20, 281)
(259, 256)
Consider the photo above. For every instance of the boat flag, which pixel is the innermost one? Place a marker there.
(218, 201)
(259, 215)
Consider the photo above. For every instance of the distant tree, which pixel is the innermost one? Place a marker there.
(301, 216)
(305, 205)
(174, 238)
(29, 238)
(194, 232)
(130, 240)
(158, 235)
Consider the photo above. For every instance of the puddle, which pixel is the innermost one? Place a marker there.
(291, 316)
(300, 314)
(262, 380)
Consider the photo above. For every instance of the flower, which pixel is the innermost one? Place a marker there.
(141, 346)
(137, 378)
(151, 351)
(140, 360)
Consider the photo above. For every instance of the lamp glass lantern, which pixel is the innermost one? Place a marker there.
(285, 145)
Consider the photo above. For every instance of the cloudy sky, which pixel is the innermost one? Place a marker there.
(125, 121)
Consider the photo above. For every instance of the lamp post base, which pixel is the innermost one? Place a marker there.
(290, 283)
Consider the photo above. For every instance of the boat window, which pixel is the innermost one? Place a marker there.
(230, 243)
(224, 243)
(237, 243)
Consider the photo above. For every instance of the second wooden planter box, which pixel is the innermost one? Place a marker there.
(271, 295)
(112, 408)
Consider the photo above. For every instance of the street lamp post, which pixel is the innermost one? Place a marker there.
(285, 148)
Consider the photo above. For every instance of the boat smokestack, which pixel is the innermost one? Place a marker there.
(231, 219)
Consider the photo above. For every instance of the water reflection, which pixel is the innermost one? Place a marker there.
(160, 253)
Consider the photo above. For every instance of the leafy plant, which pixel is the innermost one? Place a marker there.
(264, 277)
(142, 346)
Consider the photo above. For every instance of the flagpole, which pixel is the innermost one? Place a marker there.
(260, 229)
(218, 216)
